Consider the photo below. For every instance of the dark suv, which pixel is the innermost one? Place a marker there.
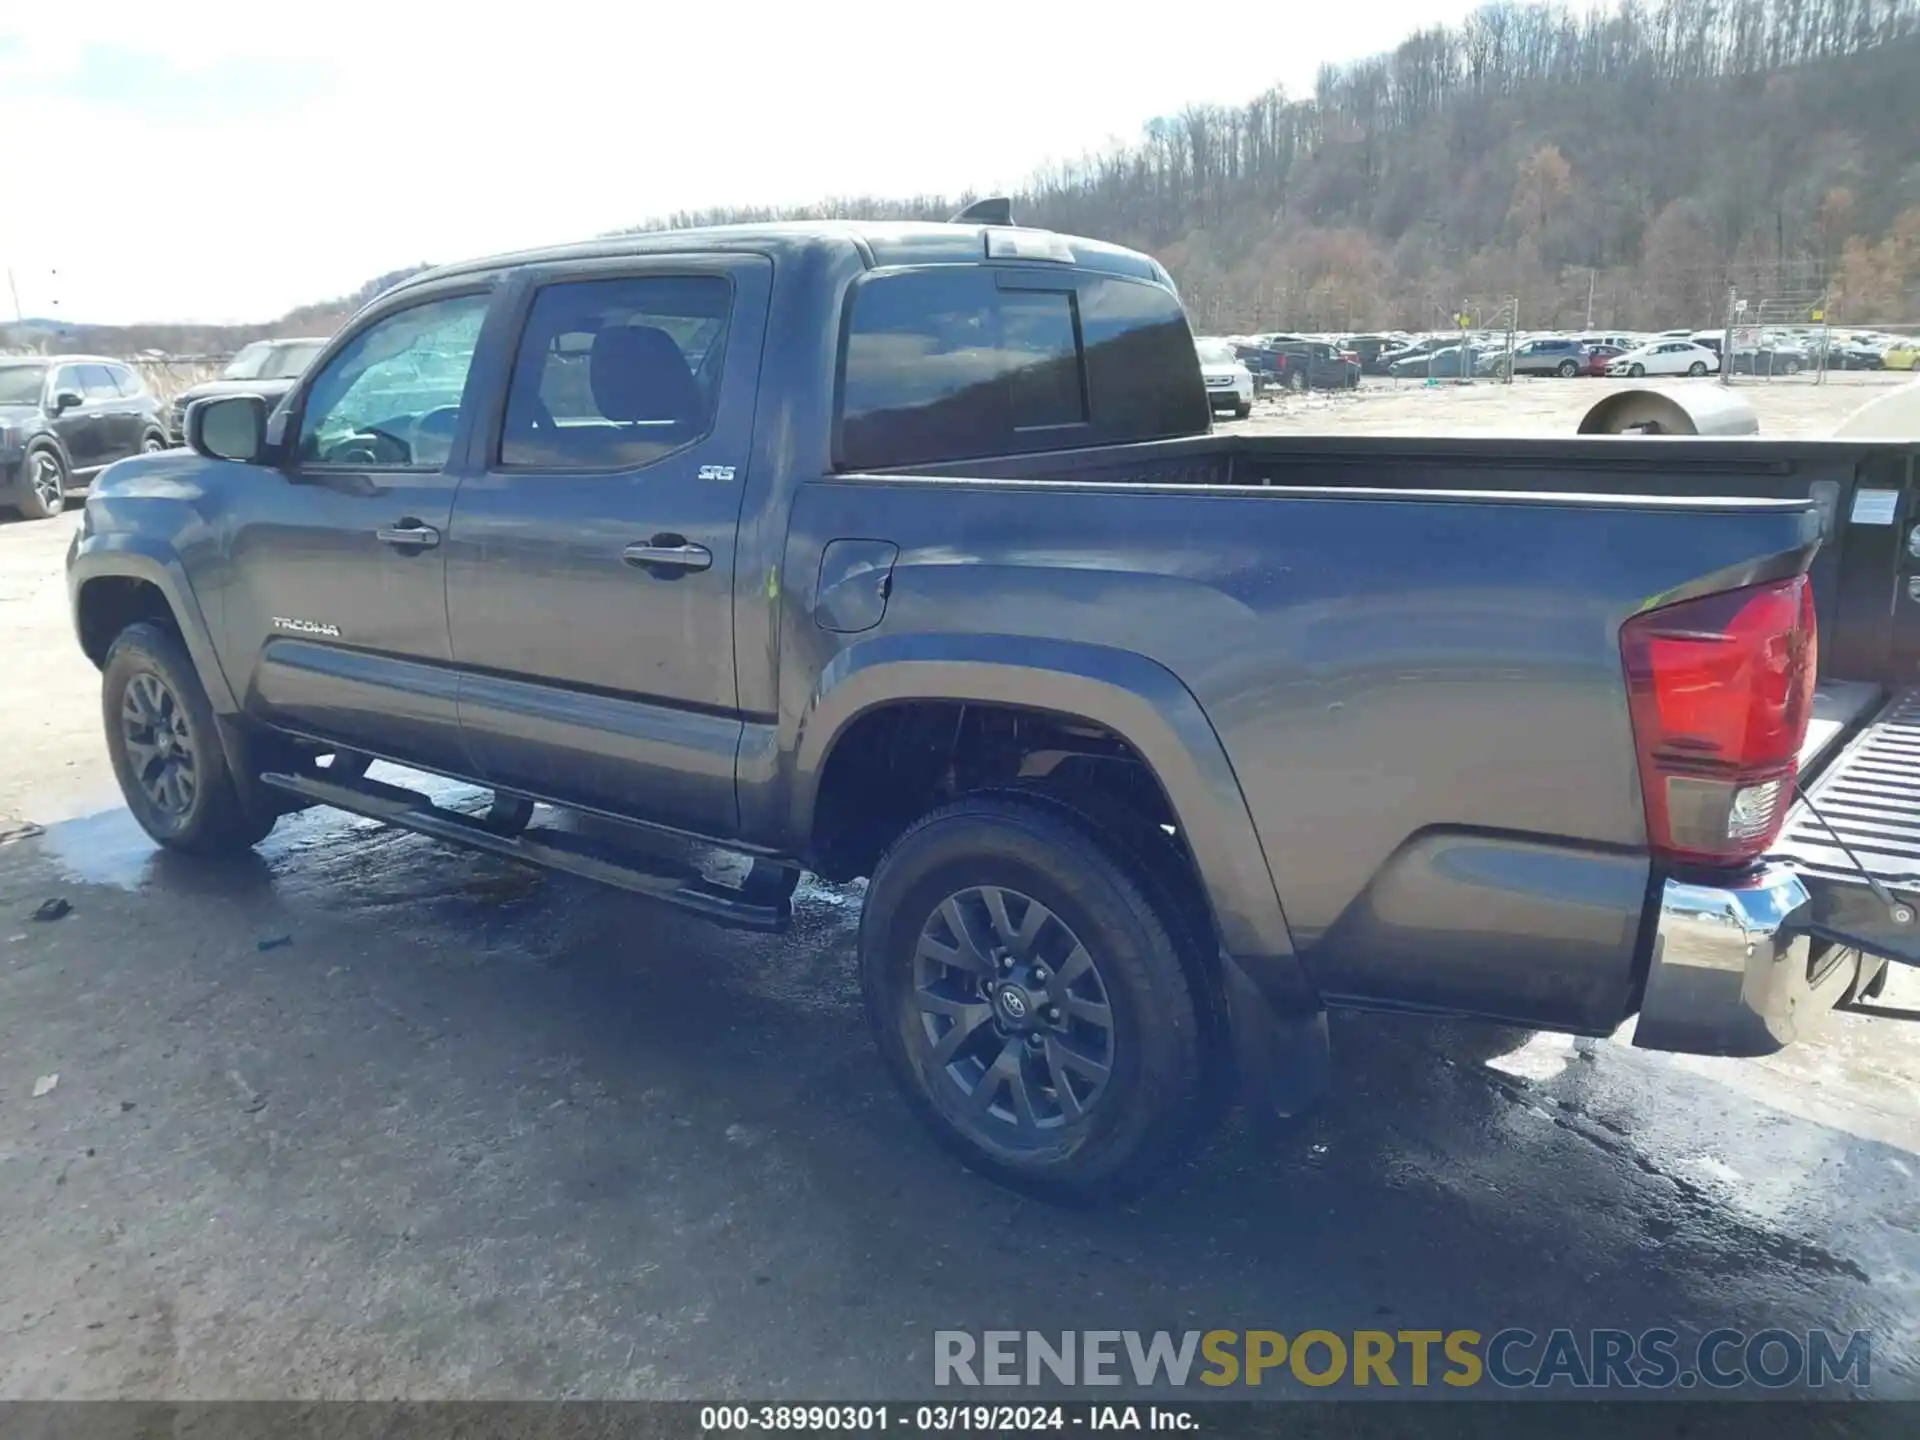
(64, 419)
(266, 368)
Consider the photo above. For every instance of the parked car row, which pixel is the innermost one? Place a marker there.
(1761, 350)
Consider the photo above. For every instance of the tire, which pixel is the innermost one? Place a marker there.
(165, 748)
(1697, 369)
(152, 443)
(1637, 371)
(43, 491)
(1296, 382)
(1088, 1102)
(1568, 370)
(1241, 412)
(1790, 367)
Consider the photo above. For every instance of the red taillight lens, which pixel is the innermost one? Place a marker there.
(1721, 689)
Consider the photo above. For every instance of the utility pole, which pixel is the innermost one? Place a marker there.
(1592, 275)
(18, 313)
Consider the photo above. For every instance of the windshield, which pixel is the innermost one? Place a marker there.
(1215, 352)
(20, 384)
(247, 364)
(287, 361)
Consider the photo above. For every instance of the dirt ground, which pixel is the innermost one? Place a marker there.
(365, 1117)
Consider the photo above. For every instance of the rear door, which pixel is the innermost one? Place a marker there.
(590, 565)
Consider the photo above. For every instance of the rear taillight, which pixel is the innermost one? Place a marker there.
(1720, 691)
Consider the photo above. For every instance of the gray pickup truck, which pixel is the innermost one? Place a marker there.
(904, 551)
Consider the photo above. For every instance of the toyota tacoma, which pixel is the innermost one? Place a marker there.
(906, 551)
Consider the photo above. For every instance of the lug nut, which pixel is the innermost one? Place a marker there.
(1040, 974)
(1053, 1013)
(1034, 1042)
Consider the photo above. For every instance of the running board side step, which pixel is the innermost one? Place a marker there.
(547, 848)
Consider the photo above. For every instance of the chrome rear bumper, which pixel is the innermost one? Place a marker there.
(1730, 974)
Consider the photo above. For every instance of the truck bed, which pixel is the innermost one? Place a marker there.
(1867, 492)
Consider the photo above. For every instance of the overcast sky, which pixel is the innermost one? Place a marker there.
(217, 161)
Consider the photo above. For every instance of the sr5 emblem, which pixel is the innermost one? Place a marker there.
(716, 472)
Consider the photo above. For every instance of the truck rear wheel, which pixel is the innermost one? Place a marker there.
(165, 748)
(1032, 1004)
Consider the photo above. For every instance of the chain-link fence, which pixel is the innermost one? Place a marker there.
(1783, 335)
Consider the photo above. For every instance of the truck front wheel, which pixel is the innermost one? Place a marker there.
(166, 750)
(1032, 1004)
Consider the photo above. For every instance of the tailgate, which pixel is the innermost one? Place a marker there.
(1862, 812)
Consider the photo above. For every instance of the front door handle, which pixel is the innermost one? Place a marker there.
(410, 535)
(668, 552)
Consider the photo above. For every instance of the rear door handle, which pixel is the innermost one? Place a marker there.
(410, 535)
(668, 552)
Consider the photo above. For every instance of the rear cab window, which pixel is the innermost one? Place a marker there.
(955, 362)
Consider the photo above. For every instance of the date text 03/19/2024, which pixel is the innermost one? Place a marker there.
(939, 1419)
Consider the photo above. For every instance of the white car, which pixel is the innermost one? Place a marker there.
(1229, 382)
(1666, 357)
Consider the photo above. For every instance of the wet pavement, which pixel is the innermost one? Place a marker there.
(366, 1116)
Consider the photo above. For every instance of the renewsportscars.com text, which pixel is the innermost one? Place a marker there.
(1510, 1359)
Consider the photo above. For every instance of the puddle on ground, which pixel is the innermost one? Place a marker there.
(105, 846)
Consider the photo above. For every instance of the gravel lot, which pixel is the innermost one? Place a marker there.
(1796, 407)
(367, 1117)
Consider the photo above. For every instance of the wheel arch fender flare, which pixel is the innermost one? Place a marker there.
(129, 556)
(1135, 697)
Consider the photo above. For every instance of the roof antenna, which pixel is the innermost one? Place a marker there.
(994, 210)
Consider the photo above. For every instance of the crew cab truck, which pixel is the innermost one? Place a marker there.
(905, 551)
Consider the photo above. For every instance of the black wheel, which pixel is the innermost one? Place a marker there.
(1241, 412)
(1568, 370)
(166, 750)
(1790, 367)
(508, 814)
(153, 443)
(1637, 370)
(1033, 1004)
(44, 495)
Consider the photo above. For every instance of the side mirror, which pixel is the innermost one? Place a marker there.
(65, 401)
(228, 427)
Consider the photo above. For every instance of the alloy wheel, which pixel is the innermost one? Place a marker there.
(1014, 1017)
(159, 745)
(47, 485)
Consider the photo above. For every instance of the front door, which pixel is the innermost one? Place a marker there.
(590, 567)
(82, 424)
(336, 623)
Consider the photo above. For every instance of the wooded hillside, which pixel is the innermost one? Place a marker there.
(1641, 156)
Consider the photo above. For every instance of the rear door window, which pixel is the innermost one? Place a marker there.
(955, 362)
(615, 374)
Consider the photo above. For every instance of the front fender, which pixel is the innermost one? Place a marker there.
(131, 555)
(1136, 698)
